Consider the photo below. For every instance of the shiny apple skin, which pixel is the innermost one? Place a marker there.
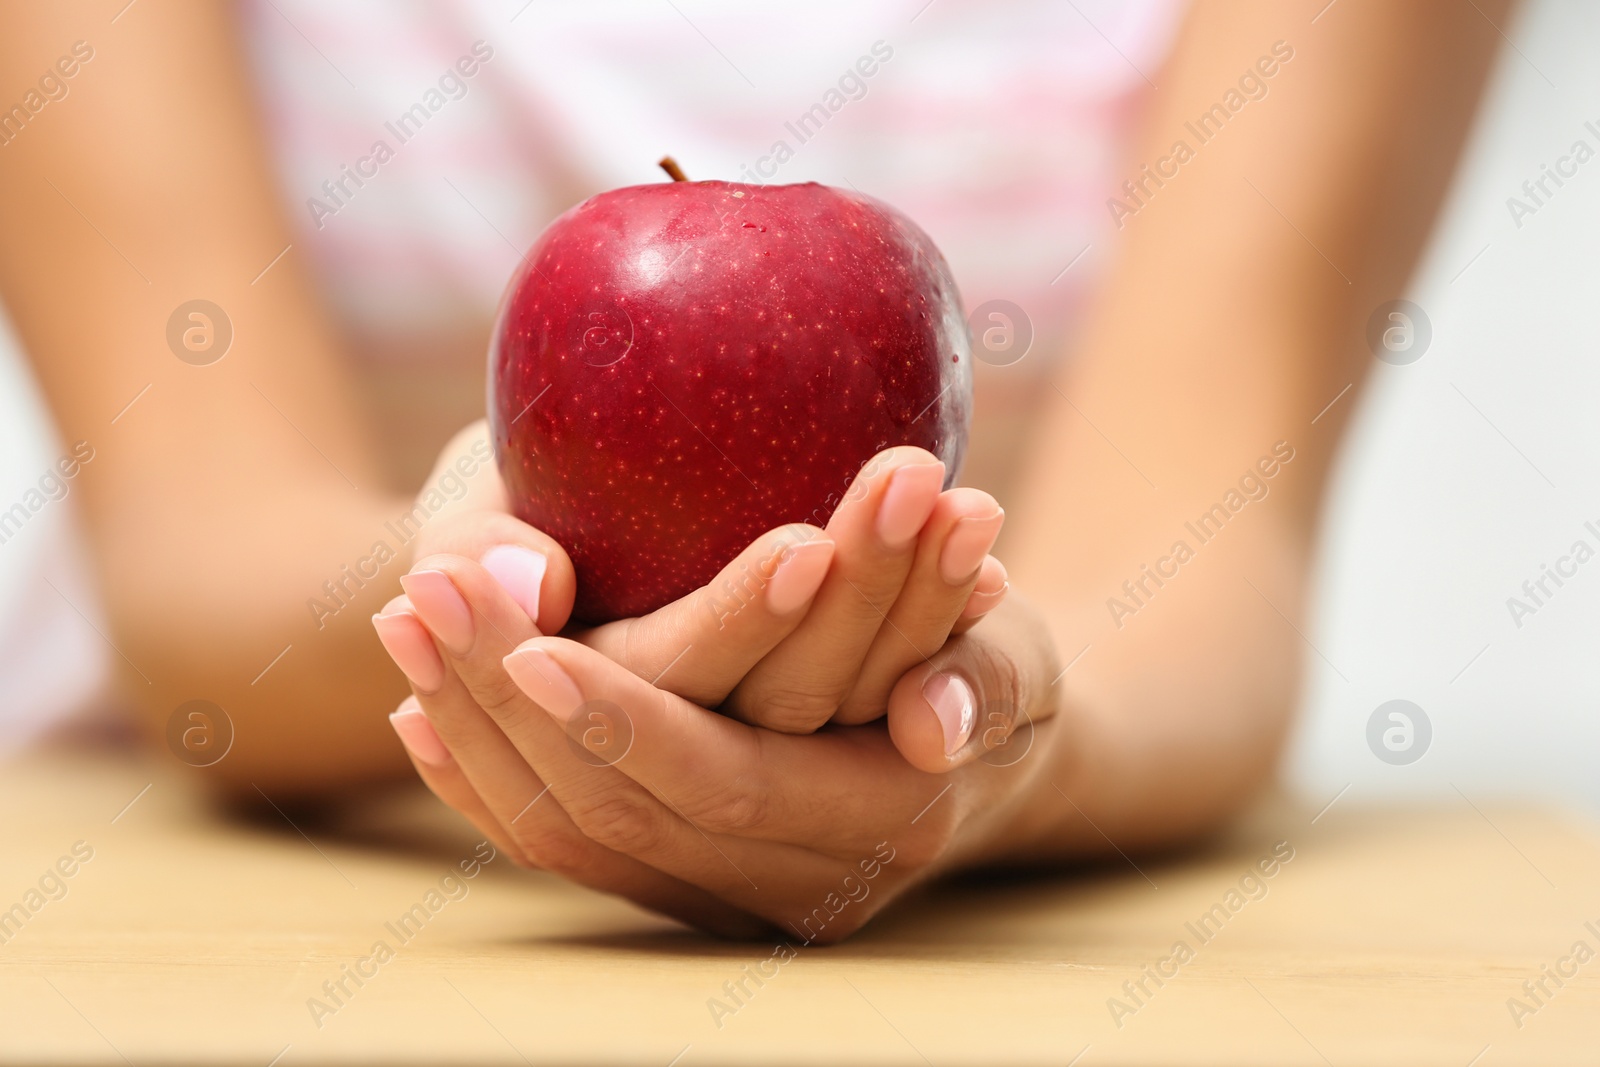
(677, 368)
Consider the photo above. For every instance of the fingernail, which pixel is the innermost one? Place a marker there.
(440, 606)
(986, 596)
(519, 571)
(538, 674)
(968, 543)
(952, 701)
(409, 645)
(799, 575)
(418, 734)
(983, 603)
(907, 503)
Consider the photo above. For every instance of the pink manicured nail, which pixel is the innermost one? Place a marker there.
(907, 503)
(952, 701)
(441, 608)
(799, 576)
(418, 734)
(993, 585)
(409, 645)
(968, 542)
(538, 674)
(519, 571)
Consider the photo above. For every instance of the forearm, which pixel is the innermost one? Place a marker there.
(221, 495)
(269, 620)
(1230, 345)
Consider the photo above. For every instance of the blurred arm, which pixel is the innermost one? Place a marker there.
(220, 502)
(1237, 314)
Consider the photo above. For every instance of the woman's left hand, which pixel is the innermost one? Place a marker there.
(583, 768)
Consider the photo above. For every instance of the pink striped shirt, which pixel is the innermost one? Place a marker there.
(424, 146)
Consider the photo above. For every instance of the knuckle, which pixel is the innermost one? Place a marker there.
(730, 808)
(791, 711)
(1002, 677)
(628, 637)
(496, 694)
(557, 851)
(620, 821)
(1001, 689)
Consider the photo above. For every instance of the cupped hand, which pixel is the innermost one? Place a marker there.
(573, 763)
(804, 627)
(810, 626)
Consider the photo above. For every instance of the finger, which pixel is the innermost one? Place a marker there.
(950, 553)
(410, 646)
(513, 792)
(542, 834)
(440, 772)
(615, 808)
(990, 589)
(455, 701)
(979, 697)
(799, 685)
(701, 646)
(530, 565)
(829, 792)
(488, 766)
(477, 627)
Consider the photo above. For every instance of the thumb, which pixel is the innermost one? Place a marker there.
(978, 697)
(527, 563)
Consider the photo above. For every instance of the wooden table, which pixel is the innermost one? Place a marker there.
(1391, 936)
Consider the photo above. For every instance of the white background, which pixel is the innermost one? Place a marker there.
(1435, 519)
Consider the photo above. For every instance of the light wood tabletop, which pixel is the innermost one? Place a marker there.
(1370, 936)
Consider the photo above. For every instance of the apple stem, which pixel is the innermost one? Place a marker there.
(674, 171)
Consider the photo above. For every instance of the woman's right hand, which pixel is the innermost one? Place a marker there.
(806, 626)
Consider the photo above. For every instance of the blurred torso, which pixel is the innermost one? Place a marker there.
(997, 127)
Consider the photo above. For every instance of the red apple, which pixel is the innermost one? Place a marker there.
(678, 368)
